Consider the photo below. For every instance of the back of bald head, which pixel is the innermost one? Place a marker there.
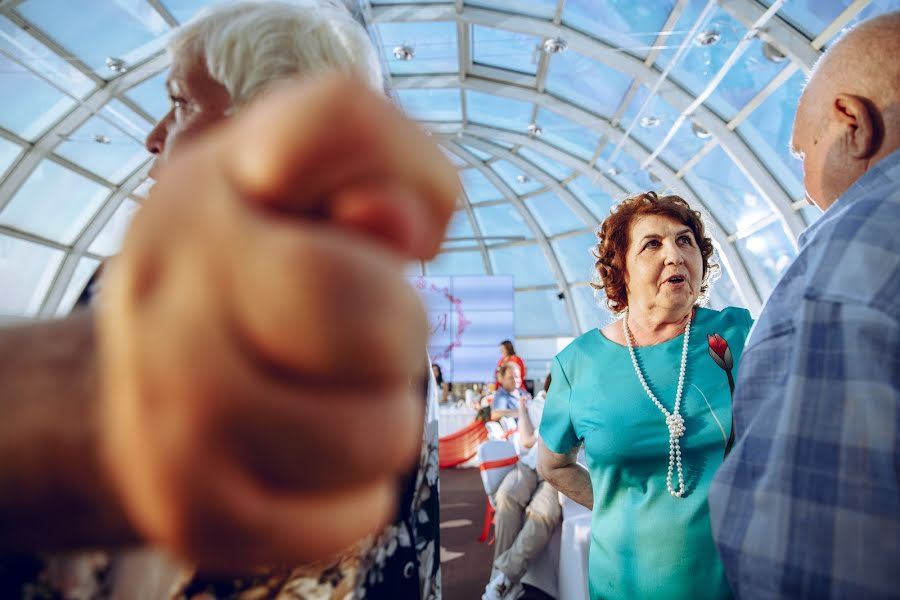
(864, 62)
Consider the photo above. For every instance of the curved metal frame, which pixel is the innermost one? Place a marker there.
(801, 51)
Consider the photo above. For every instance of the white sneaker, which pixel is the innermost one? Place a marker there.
(497, 588)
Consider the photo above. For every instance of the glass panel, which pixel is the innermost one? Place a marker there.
(494, 111)
(26, 272)
(629, 175)
(874, 8)
(456, 263)
(541, 313)
(549, 166)
(109, 240)
(724, 293)
(431, 105)
(567, 135)
(552, 214)
(9, 152)
(453, 158)
(574, 255)
(104, 149)
(726, 192)
(116, 112)
(527, 265)
(655, 123)
(767, 253)
(744, 80)
(92, 31)
(183, 10)
(28, 51)
(514, 177)
(811, 16)
(151, 95)
(626, 24)
(699, 64)
(83, 271)
(434, 45)
(460, 226)
(595, 199)
(505, 49)
(477, 186)
(591, 307)
(478, 153)
(54, 203)
(502, 220)
(586, 83)
(543, 9)
(35, 105)
(768, 131)
(457, 245)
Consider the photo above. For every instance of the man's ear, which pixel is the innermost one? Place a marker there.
(863, 131)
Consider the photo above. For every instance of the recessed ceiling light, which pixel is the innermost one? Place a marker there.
(649, 122)
(115, 64)
(707, 38)
(404, 52)
(612, 171)
(700, 132)
(772, 53)
(102, 139)
(523, 178)
(535, 130)
(555, 45)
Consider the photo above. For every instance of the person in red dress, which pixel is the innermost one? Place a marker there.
(508, 354)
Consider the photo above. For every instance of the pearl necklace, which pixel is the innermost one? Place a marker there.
(674, 420)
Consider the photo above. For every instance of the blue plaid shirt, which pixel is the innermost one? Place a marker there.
(807, 505)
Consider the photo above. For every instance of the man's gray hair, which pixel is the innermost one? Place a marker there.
(251, 44)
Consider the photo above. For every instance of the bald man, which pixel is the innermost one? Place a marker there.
(807, 505)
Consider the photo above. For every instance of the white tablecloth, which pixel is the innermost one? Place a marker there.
(573, 551)
(453, 419)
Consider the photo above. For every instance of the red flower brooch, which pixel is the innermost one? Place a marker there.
(721, 354)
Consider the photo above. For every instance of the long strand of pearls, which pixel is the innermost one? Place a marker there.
(674, 420)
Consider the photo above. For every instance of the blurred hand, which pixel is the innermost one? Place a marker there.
(258, 336)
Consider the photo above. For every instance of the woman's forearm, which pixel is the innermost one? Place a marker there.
(573, 480)
(53, 491)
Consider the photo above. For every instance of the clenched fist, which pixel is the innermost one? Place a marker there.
(257, 334)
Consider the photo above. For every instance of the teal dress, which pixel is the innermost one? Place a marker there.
(646, 543)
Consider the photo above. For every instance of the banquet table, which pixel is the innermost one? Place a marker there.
(451, 419)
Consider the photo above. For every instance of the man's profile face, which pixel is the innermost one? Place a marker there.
(197, 103)
(509, 380)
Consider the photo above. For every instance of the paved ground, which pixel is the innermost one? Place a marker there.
(465, 563)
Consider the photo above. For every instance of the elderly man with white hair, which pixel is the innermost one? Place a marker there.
(807, 505)
(212, 414)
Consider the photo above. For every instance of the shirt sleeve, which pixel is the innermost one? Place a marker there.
(502, 402)
(557, 429)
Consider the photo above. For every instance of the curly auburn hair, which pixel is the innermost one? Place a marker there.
(613, 243)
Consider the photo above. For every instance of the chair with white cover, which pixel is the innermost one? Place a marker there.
(497, 458)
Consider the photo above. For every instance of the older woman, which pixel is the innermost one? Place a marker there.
(649, 397)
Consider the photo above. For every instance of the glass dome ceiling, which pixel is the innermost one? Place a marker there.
(552, 110)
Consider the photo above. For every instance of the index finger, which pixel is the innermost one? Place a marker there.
(306, 140)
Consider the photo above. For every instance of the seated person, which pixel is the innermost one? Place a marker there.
(509, 394)
(527, 507)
